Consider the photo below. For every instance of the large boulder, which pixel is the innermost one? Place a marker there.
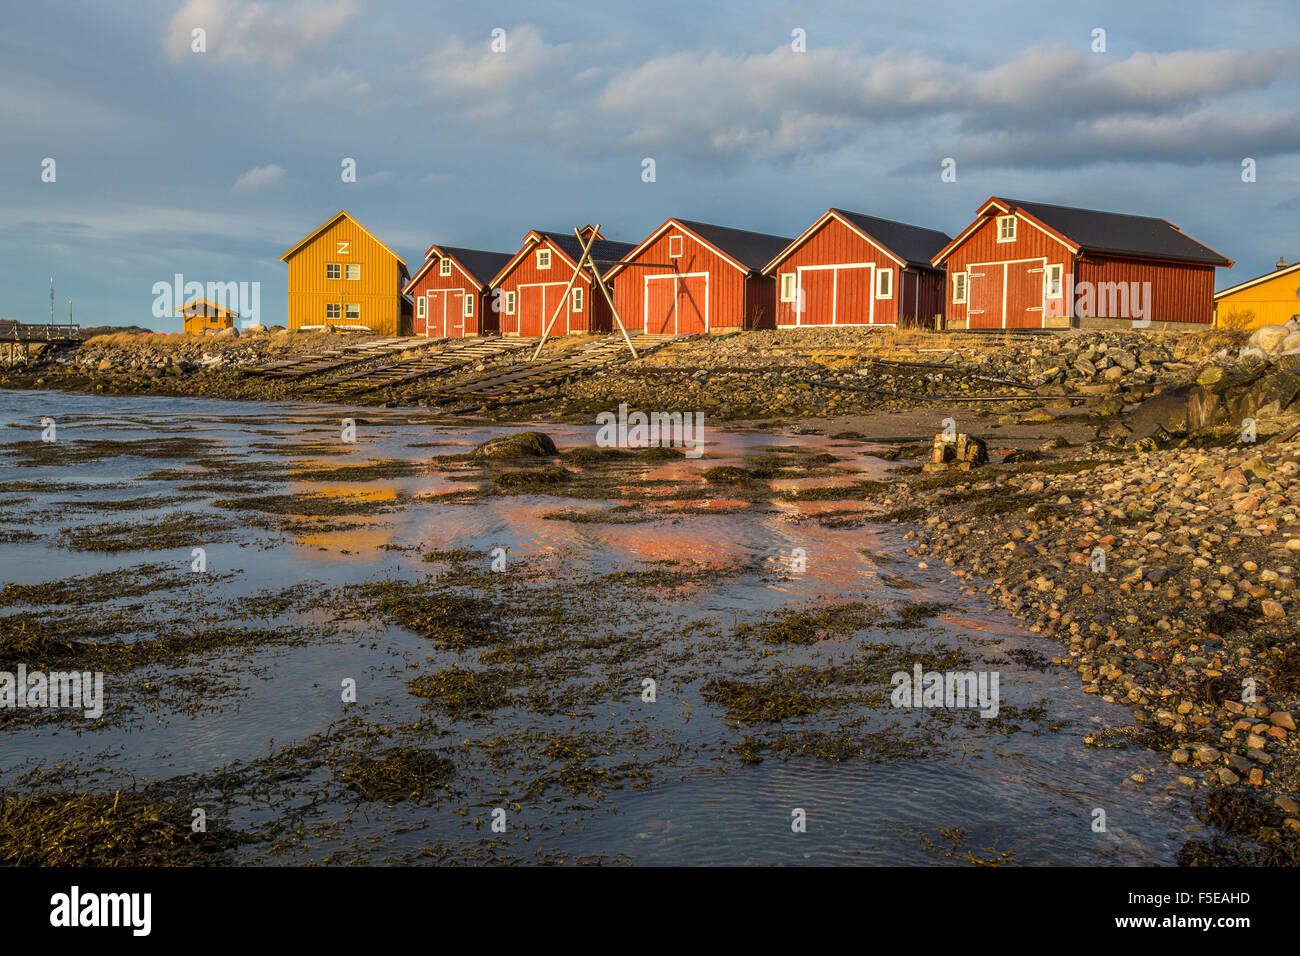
(1175, 411)
(521, 445)
(1267, 395)
(1269, 337)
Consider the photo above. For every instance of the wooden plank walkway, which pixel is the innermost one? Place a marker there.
(302, 366)
(456, 354)
(532, 376)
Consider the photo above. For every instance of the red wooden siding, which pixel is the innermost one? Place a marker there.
(444, 295)
(836, 271)
(708, 294)
(538, 293)
(1180, 291)
(999, 266)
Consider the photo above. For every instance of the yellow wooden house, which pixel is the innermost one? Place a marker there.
(202, 316)
(342, 276)
(1269, 299)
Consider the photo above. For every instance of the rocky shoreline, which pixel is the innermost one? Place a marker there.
(1145, 515)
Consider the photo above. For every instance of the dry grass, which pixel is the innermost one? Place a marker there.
(273, 343)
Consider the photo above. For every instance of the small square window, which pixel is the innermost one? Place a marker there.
(333, 270)
(510, 303)
(419, 307)
(469, 305)
(959, 288)
(354, 271)
(577, 300)
(353, 312)
(885, 284)
(1006, 228)
(543, 258)
(674, 247)
(787, 286)
(444, 267)
(332, 311)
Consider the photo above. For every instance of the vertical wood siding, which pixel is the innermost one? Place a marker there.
(538, 291)
(1180, 291)
(727, 305)
(377, 292)
(481, 322)
(848, 299)
(982, 246)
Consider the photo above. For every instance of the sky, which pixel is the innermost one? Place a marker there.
(472, 123)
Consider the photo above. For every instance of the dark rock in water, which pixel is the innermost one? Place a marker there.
(1176, 411)
(522, 445)
(1148, 438)
(1024, 455)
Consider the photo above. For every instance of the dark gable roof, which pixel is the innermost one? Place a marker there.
(604, 251)
(753, 250)
(482, 265)
(1118, 233)
(912, 244)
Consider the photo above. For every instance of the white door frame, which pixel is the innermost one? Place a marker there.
(546, 313)
(835, 284)
(675, 276)
(1005, 264)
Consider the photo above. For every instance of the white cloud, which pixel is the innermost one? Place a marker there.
(259, 179)
(255, 32)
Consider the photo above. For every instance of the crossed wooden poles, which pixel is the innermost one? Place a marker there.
(585, 260)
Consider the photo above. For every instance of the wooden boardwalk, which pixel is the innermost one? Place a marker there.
(302, 366)
(456, 354)
(518, 380)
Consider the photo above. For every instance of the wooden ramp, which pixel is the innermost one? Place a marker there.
(302, 366)
(455, 354)
(531, 376)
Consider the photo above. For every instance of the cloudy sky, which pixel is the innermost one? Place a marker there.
(212, 164)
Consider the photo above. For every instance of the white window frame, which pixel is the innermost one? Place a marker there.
(352, 272)
(444, 266)
(347, 312)
(675, 242)
(510, 303)
(468, 309)
(333, 270)
(1054, 276)
(1002, 221)
(960, 280)
(419, 307)
(338, 311)
(787, 286)
(575, 299)
(888, 276)
(543, 258)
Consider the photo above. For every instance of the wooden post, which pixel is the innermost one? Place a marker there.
(582, 257)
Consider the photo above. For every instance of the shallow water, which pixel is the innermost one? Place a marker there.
(1030, 793)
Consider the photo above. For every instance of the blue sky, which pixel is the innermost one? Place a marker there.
(212, 164)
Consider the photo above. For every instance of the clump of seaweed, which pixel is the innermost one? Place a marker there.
(462, 691)
(455, 621)
(399, 773)
(181, 530)
(87, 829)
(808, 626)
(534, 478)
(758, 703)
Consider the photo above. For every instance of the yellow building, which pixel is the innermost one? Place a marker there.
(342, 276)
(1267, 300)
(202, 316)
